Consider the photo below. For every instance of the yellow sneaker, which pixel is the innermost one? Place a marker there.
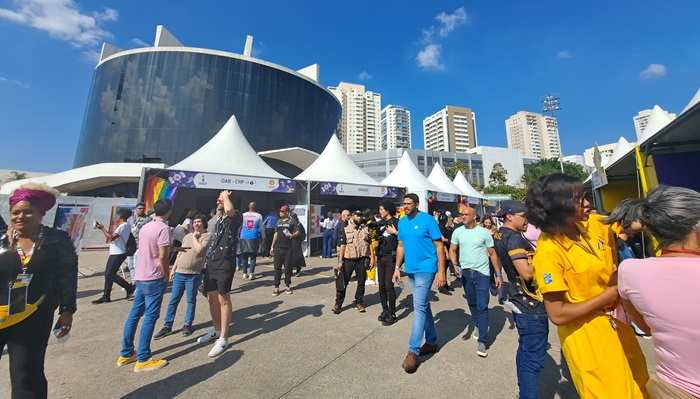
(123, 361)
(150, 364)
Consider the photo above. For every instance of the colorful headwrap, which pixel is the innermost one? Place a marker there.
(40, 199)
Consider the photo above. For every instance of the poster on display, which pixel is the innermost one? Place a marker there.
(179, 178)
(114, 218)
(315, 217)
(355, 190)
(301, 211)
(441, 197)
(72, 219)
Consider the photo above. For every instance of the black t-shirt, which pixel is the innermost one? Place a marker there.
(510, 245)
(387, 242)
(282, 242)
(222, 246)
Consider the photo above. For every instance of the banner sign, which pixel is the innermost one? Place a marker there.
(441, 197)
(229, 182)
(356, 190)
(72, 219)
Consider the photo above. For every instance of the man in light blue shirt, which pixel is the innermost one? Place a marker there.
(420, 244)
(475, 246)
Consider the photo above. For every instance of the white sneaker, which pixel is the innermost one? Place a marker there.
(219, 347)
(475, 334)
(289, 291)
(250, 277)
(208, 336)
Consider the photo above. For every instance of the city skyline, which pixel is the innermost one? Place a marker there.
(448, 53)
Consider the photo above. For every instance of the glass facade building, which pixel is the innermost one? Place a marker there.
(162, 105)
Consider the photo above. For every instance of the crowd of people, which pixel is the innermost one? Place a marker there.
(598, 278)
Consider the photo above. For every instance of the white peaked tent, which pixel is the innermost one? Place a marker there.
(228, 152)
(406, 174)
(334, 165)
(658, 119)
(621, 148)
(463, 184)
(693, 101)
(439, 178)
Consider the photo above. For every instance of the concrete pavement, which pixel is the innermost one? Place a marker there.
(291, 346)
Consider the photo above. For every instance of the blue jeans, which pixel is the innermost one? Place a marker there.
(187, 284)
(476, 288)
(533, 332)
(327, 244)
(147, 300)
(423, 323)
(247, 262)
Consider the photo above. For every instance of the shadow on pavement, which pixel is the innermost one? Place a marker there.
(450, 324)
(176, 384)
(555, 381)
(246, 322)
(497, 319)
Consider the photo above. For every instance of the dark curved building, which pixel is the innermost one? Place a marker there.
(161, 103)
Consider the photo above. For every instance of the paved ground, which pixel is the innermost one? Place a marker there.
(291, 346)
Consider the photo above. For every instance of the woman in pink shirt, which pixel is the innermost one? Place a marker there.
(659, 294)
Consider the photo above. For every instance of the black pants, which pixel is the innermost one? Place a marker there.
(359, 266)
(114, 262)
(269, 234)
(26, 345)
(387, 294)
(282, 258)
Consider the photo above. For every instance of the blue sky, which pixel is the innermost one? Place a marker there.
(606, 60)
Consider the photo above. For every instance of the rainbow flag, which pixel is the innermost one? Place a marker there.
(157, 189)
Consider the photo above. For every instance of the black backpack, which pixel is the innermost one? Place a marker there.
(130, 245)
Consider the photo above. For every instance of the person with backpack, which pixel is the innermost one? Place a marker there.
(121, 245)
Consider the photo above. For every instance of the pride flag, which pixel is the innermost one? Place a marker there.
(157, 189)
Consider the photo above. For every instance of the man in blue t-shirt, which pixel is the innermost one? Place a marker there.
(420, 244)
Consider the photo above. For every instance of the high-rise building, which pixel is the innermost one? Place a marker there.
(359, 127)
(642, 118)
(396, 127)
(450, 129)
(535, 135)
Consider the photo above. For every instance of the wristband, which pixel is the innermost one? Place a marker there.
(497, 274)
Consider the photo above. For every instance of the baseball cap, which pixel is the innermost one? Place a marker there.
(511, 207)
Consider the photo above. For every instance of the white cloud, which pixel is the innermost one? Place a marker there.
(448, 22)
(139, 42)
(62, 20)
(364, 75)
(566, 55)
(429, 58)
(92, 56)
(14, 82)
(653, 71)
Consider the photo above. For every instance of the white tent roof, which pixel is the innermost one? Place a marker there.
(658, 119)
(439, 178)
(228, 152)
(406, 174)
(621, 148)
(463, 184)
(334, 165)
(86, 178)
(693, 101)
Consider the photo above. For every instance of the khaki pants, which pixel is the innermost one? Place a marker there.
(660, 389)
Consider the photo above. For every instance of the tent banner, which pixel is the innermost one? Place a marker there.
(215, 181)
(355, 190)
(441, 197)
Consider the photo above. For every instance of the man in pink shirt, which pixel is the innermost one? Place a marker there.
(151, 278)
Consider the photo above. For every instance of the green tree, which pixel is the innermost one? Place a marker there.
(15, 175)
(546, 167)
(498, 176)
(516, 193)
(457, 166)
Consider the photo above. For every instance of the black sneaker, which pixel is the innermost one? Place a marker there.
(101, 300)
(187, 331)
(164, 332)
(130, 293)
(382, 315)
(389, 319)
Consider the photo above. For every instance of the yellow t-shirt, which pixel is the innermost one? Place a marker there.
(605, 362)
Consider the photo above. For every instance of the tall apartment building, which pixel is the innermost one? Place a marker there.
(451, 129)
(359, 127)
(642, 118)
(535, 135)
(395, 127)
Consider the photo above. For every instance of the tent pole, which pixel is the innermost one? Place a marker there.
(308, 219)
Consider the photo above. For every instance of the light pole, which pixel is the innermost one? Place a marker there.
(550, 104)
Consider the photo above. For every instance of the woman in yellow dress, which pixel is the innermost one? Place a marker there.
(575, 270)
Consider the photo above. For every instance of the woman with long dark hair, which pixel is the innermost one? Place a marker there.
(575, 270)
(38, 274)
